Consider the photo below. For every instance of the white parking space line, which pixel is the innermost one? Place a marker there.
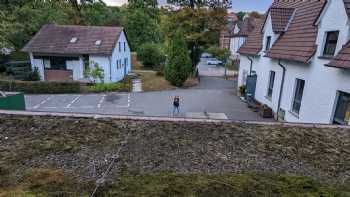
(128, 102)
(73, 101)
(101, 101)
(43, 102)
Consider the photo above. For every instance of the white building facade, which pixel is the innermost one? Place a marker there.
(313, 91)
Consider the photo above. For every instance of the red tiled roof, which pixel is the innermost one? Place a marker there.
(280, 18)
(253, 44)
(342, 60)
(247, 26)
(298, 42)
(55, 39)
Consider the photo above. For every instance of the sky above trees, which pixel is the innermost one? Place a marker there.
(251, 5)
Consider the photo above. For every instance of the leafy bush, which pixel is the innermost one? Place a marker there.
(107, 87)
(96, 73)
(242, 90)
(178, 67)
(33, 75)
(220, 54)
(151, 56)
(40, 87)
(123, 86)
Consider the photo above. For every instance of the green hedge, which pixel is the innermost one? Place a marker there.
(40, 87)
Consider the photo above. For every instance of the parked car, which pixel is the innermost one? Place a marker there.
(206, 55)
(214, 62)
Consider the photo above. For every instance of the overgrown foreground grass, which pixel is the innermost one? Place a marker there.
(64, 156)
(51, 182)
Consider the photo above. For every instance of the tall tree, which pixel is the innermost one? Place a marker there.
(140, 20)
(201, 27)
(142, 3)
(178, 67)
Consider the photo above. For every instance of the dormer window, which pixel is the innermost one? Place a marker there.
(73, 40)
(331, 43)
(268, 43)
(98, 42)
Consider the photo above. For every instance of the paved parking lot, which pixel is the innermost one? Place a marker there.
(195, 103)
(89, 103)
(214, 97)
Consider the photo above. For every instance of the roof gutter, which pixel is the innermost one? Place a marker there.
(281, 88)
(251, 65)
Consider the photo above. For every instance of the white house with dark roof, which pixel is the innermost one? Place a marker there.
(63, 52)
(301, 57)
(241, 31)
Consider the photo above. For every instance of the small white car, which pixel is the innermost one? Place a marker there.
(214, 62)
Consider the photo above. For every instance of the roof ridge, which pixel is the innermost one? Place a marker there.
(86, 26)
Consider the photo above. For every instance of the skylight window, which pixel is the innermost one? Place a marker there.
(73, 40)
(98, 42)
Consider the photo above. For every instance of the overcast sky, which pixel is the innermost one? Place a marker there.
(237, 5)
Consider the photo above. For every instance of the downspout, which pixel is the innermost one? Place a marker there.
(281, 88)
(251, 65)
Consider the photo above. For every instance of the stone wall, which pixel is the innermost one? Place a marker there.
(84, 146)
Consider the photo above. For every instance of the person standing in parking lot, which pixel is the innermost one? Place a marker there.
(176, 105)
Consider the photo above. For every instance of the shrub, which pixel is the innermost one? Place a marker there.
(107, 87)
(96, 73)
(242, 90)
(40, 87)
(220, 54)
(151, 56)
(33, 75)
(178, 67)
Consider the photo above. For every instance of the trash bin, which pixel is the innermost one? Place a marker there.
(12, 101)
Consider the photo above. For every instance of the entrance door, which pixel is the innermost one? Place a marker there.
(342, 112)
(251, 85)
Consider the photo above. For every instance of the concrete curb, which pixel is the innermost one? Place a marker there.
(167, 119)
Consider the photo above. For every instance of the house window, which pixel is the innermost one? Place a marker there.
(271, 82)
(125, 61)
(268, 43)
(298, 94)
(120, 47)
(331, 43)
(342, 111)
(124, 47)
(117, 64)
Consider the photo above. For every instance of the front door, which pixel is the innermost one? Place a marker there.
(342, 112)
(251, 85)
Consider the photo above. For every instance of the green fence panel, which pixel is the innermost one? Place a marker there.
(13, 102)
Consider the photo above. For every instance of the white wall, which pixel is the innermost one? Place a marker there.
(321, 82)
(38, 63)
(104, 63)
(235, 44)
(268, 31)
(109, 63)
(77, 67)
(118, 74)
